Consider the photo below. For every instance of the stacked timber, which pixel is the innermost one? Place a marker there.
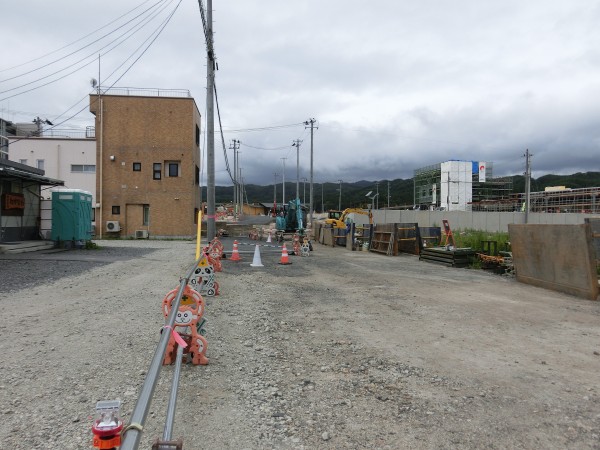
(458, 257)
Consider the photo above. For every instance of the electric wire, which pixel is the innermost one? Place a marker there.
(74, 42)
(264, 148)
(158, 33)
(167, 20)
(222, 136)
(92, 56)
(75, 51)
(274, 127)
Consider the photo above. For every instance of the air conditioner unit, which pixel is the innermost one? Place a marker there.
(112, 226)
(141, 234)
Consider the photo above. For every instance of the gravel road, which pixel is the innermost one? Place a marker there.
(340, 350)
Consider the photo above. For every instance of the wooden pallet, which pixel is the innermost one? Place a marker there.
(382, 242)
(408, 238)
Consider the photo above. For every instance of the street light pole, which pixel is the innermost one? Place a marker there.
(283, 193)
(296, 144)
(340, 201)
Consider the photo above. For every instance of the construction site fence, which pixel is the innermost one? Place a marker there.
(492, 222)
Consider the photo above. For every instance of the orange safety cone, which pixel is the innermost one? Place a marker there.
(284, 256)
(235, 254)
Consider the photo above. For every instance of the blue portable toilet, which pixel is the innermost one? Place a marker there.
(71, 215)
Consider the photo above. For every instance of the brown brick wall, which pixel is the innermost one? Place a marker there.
(147, 130)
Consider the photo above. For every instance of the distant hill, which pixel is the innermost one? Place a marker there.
(401, 191)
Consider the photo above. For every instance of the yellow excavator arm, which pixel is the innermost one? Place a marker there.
(341, 222)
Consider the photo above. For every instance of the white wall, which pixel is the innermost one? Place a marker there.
(476, 220)
(58, 155)
(456, 185)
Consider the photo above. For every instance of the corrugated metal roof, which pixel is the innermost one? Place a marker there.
(10, 171)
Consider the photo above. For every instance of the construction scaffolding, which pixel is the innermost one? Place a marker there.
(564, 200)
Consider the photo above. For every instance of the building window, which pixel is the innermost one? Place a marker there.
(197, 175)
(116, 210)
(146, 215)
(172, 168)
(137, 166)
(83, 168)
(23, 161)
(197, 136)
(156, 171)
(39, 163)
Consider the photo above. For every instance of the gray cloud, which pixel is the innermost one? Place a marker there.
(394, 85)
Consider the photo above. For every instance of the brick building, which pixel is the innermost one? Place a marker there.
(147, 162)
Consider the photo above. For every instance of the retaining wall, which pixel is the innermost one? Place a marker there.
(484, 221)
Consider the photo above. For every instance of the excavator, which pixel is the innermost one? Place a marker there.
(338, 218)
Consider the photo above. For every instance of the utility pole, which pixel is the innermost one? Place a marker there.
(527, 156)
(210, 127)
(235, 144)
(322, 203)
(311, 122)
(304, 194)
(275, 194)
(340, 201)
(296, 144)
(388, 202)
(240, 192)
(242, 189)
(377, 191)
(283, 193)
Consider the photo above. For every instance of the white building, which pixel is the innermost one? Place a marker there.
(455, 185)
(70, 159)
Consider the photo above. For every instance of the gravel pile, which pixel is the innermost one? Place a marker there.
(363, 351)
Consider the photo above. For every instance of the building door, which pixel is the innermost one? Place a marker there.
(134, 219)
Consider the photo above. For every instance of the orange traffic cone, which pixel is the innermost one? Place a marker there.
(235, 254)
(284, 256)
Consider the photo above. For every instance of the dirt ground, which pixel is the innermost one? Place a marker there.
(339, 350)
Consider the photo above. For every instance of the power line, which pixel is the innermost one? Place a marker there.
(76, 51)
(147, 21)
(275, 127)
(264, 148)
(74, 42)
(124, 73)
(222, 135)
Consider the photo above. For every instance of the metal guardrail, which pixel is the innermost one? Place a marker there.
(133, 431)
(145, 92)
(88, 133)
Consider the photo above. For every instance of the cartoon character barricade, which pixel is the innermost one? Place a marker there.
(214, 254)
(203, 280)
(189, 326)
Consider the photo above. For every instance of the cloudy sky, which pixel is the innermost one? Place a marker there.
(393, 85)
